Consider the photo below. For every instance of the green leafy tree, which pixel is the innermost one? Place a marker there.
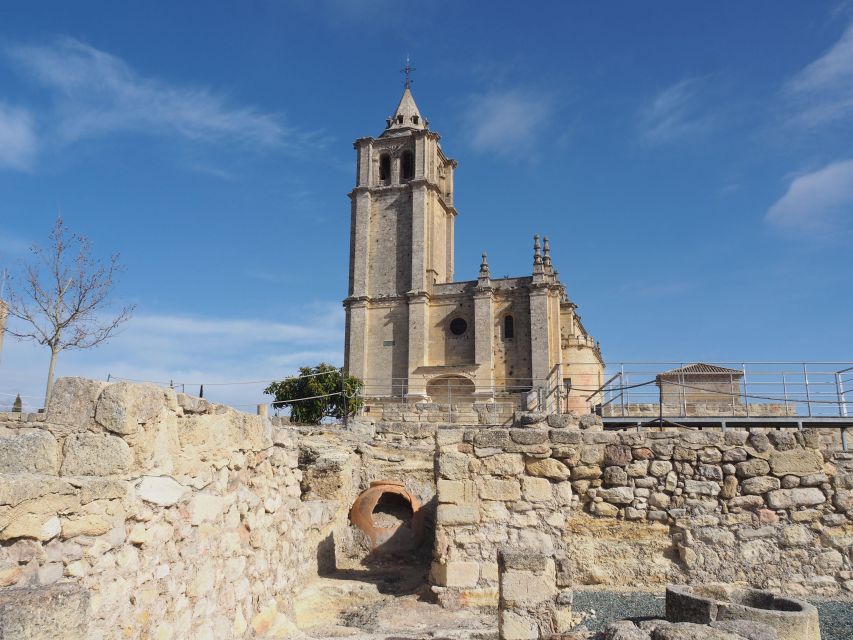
(316, 393)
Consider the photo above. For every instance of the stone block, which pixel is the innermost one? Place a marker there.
(525, 588)
(95, 454)
(617, 455)
(35, 452)
(729, 487)
(161, 490)
(538, 489)
(615, 477)
(659, 468)
(57, 611)
(759, 485)
(563, 492)
(456, 491)
(604, 509)
(503, 464)
(72, 403)
(453, 466)
(499, 489)
(548, 468)
(492, 438)
(457, 574)
(566, 437)
(123, 406)
(703, 488)
(450, 515)
(524, 560)
(796, 462)
(751, 468)
(586, 472)
(617, 495)
(791, 498)
(512, 626)
(528, 436)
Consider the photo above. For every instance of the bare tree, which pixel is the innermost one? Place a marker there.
(62, 298)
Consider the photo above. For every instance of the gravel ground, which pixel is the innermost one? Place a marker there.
(836, 617)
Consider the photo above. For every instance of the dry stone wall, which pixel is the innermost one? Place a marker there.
(130, 511)
(772, 509)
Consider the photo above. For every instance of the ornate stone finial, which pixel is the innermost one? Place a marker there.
(484, 267)
(538, 267)
(547, 257)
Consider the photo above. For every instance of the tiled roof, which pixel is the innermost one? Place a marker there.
(701, 367)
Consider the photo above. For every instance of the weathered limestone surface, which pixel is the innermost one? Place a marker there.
(129, 511)
(773, 510)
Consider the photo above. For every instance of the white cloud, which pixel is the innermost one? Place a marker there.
(97, 93)
(822, 92)
(18, 140)
(675, 113)
(504, 122)
(187, 350)
(819, 203)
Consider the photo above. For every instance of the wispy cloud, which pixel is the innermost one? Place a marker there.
(822, 92)
(505, 122)
(676, 113)
(189, 350)
(97, 93)
(18, 140)
(13, 246)
(817, 203)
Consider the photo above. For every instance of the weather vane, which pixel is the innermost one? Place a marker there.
(407, 70)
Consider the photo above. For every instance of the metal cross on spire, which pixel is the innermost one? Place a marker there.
(407, 70)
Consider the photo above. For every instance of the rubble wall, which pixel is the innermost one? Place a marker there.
(153, 515)
(641, 509)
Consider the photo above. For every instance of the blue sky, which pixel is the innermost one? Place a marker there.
(692, 164)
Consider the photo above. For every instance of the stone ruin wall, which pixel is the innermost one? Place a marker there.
(642, 509)
(132, 511)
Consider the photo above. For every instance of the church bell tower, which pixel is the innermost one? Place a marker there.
(401, 245)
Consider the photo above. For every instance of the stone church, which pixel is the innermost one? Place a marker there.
(415, 334)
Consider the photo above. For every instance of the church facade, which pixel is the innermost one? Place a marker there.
(415, 334)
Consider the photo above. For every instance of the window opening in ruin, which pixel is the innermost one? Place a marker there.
(384, 167)
(509, 328)
(407, 165)
(458, 326)
(392, 510)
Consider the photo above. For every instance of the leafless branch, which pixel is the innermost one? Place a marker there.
(60, 300)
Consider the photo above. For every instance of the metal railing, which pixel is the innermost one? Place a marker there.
(734, 389)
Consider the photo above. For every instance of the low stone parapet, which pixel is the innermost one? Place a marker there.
(771, 510)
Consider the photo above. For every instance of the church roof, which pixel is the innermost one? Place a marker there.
(407, 115)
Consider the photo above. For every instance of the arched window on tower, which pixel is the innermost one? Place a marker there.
(407, 166)
(384, 168)
(509, 328)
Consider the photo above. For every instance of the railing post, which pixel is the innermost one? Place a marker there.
(808, 395)
(745, 394)
(622, 385)
(839, 389)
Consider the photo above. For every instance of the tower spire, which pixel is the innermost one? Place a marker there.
(407, 71)
(537, 255)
